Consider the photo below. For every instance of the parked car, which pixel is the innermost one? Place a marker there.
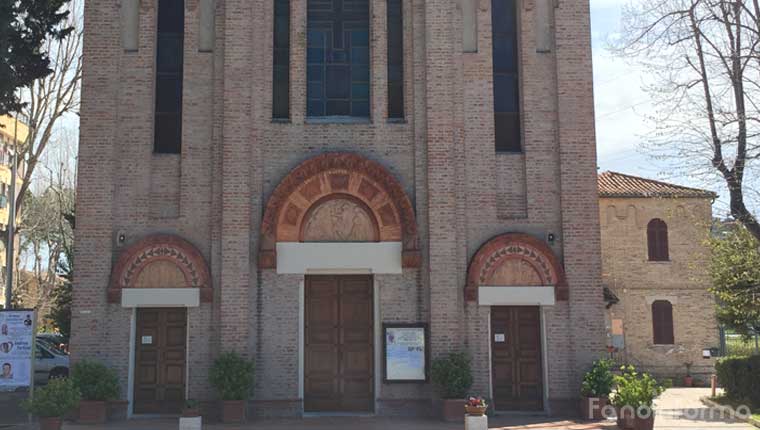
(49, 362)
(57, 340)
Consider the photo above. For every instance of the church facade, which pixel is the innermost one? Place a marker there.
(287, 179)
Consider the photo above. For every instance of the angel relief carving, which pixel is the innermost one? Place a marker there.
(339, 220)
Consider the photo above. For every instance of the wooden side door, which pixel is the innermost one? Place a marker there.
(160, 360)
(339, 357)
(517, 375)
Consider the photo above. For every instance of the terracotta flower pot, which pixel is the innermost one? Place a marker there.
(688, 381)
(477, 411)
(626, 418)
(191, 412)
(641, 423)
(592, 408)
(92, 412)
(451, 410)
(233, 411)
(50, 423)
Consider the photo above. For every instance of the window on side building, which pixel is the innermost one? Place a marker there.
(662, 322)
(506, 82)
(337, 58)
(281, 61)
(657, 240)
(169, 57)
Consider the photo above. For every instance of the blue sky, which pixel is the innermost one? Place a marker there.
(620, 102)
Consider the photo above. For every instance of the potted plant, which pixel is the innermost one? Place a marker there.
(191, 409)
(452, 377)
(596, 389)
(476, 406)
(232, 377)
(97, 384)
(52, 402)
(688, 380)
(634, 398)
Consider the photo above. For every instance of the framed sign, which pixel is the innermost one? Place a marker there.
(405, 352)
(17, 327)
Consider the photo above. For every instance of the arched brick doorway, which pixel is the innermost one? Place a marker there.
(339, 197)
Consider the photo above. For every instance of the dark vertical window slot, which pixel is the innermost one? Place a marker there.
(395, 59)
(662, 322)
(337, 58)
(169, 56)
(281, 70)
(506, 85)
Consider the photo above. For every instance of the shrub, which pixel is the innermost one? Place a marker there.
(452, 375)
(598, 381)
(95, 381)
(635, 389)
(56, 399)
(740, 377)
(232, 376)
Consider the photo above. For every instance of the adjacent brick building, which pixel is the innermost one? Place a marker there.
(655, 260)
(283, 178)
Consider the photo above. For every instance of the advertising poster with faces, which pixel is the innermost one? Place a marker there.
(16, 337)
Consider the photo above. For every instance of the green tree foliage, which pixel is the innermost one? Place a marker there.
(452, 375)
(232, 376)
(24, 27)
(735, 273)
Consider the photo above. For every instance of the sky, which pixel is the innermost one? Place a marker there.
(620, 102)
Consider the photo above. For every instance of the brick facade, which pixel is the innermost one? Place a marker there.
(682, 280)
(215, 193)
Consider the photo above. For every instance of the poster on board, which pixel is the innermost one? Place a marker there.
(16, 342)
(406, 352)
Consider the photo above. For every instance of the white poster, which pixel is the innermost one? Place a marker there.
(405, 354)
(16, 339)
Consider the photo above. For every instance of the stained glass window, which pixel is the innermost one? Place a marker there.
(337, 58)
(506, 84)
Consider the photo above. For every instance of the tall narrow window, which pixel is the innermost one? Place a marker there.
(169, 43)
(337, 58)
(281, 71)
(395, 60)
(506, 93)
(657, 240)
(662, 322)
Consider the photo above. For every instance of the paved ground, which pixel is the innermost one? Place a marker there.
(678, 409)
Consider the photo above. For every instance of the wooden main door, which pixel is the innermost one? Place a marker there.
(160, 354)
(339, 346)
(516, 358)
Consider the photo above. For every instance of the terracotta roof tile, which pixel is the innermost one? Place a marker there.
(613, 184)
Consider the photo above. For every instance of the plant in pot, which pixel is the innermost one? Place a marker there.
(688, 380)
(191, 409)
(476, 406)
(634, 397)
(97, 384)
(596, 389)
(232, 377)
(452, 377)
(52, 402)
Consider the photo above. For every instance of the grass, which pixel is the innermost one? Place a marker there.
(737, 346)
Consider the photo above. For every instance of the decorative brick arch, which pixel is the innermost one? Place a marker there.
(160, 248)
(339, 175)
(542, 264)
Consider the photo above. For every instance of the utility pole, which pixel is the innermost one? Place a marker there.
(9, 250)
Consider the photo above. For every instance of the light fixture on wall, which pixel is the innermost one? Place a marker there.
(551, 238)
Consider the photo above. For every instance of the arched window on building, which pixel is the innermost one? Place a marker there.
(337, 57)
(657, 240)
(662, 322)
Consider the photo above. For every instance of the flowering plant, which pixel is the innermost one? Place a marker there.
(477, 402)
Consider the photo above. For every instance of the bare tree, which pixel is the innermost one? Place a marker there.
(704, 59)
(53, 99)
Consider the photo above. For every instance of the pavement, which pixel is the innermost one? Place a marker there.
(677, 409)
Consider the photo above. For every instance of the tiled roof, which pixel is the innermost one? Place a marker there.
(613, 184)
